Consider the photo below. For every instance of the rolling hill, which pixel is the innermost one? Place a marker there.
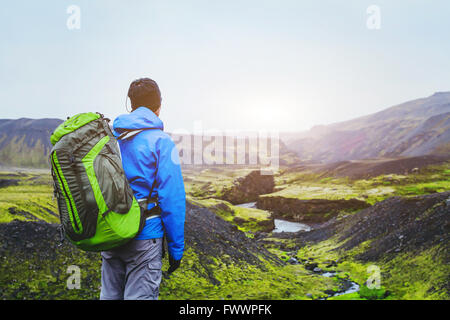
(414, 128)
(26, 142)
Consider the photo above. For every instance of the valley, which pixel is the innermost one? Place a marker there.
(233, 251)
(355, 210)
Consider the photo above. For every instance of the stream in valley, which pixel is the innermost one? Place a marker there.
(346, 285)
(281, 225)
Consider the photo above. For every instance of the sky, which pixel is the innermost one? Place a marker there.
(228, 65)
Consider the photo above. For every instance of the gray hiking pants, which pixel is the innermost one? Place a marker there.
(132, 271)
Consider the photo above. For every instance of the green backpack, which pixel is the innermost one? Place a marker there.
(97, 207)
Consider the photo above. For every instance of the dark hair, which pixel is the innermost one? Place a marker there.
(144, 92)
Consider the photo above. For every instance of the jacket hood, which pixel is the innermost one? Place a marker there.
(141, 118)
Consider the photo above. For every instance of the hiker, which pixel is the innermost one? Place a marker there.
(150, 161)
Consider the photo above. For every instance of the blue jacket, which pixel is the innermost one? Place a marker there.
(140, 156)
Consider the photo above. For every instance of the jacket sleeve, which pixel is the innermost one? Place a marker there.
(171, 196)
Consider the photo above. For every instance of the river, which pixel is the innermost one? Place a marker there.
(280, 225)
(347, 286)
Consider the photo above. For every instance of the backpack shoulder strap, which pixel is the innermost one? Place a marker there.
(126, 135)
(129, 133)
(145, 201)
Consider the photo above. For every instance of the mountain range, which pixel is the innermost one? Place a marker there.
(414, 128)
(26, 142)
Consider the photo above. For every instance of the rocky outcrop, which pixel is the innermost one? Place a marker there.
(400, 224)
(267, 225)
(8, 182)
(394, 225)
(420, 127)
(312, 211)
(211, 235)
(248, 188)
(406, 237)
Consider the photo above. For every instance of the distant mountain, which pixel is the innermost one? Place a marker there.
(414, 128)
(26, 142)
(240, 149)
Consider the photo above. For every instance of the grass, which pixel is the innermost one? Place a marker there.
(31, 199)
(307, 185)
(44, 277)
(317, 191)
(410, 275)
(418, 275)
(207, 183)
(242, 282)
(246, 219)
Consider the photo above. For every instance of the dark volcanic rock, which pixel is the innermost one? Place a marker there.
(314, 211)
(37, 244)
(31, 253)
(8, 182)
(213, 237)
(13, 211)
(18, 235)
(239, 220)
(210, 235)
(268, 225)
(311, 266)
(395, 224)
(400, 224)
(248, 188)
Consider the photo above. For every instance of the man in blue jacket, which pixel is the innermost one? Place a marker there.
(151, 163)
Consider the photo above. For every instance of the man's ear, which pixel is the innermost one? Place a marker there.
(158, 111)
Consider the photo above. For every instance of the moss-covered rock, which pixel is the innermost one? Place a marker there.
(313, 211)
(246, 219)
(248, 188)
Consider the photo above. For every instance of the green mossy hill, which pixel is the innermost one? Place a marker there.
(220, 260)
(213, 237)
(26, 142)
(27, 196)
(406, 238)
(34, 266)
(400, 225)
(246, 219)
(308, 182)
(366, 169)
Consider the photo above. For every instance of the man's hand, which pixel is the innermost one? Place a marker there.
(174, 264)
